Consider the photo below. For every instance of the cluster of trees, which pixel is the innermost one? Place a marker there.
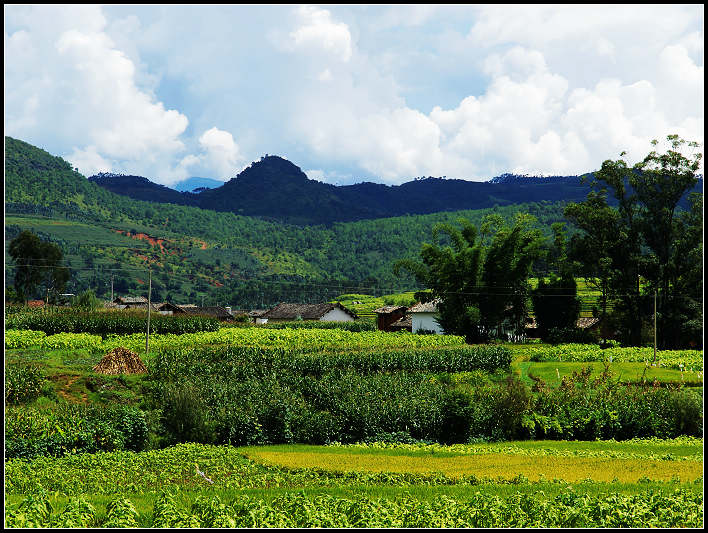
(640, 246)
(39, 266)
(646, 246)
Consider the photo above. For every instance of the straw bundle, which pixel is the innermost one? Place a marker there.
(120, 361)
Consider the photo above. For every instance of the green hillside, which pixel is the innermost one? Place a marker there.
(196, 253)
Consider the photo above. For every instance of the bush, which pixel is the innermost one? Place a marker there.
(457, 418)
(86, 301)
(498, 412)
(23, 383)
(110, 322)
(184, 414)
(73, 428)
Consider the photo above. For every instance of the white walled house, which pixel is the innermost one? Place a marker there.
(424, 317)
(325, 312)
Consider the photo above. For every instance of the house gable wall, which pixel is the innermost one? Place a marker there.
(336, 315)
(426, 321)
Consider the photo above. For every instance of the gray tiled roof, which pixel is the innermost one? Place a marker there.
(427, 307)
(389, 309)
(285, 311)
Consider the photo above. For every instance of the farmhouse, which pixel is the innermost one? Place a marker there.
(325, 312)
(424, 317)
(389, 314)
(257, 316)
(222, 313)
(214, 311)
(129, 302)
(168, 308)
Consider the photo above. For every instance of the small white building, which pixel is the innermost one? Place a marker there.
(326, 312)
(425, 316)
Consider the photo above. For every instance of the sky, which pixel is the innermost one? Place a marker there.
(352, 93)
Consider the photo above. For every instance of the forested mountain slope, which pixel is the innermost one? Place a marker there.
(224, 257)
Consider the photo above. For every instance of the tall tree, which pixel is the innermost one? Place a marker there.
(555, 301)
(38, 263)
(480, 276)
(644, 236)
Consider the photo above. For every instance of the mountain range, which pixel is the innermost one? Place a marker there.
(112, 240)
(276, 189)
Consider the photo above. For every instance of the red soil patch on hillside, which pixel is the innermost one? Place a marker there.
(144, 237)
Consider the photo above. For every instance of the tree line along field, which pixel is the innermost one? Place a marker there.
(265, 427)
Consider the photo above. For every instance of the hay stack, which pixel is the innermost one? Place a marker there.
(120, 361)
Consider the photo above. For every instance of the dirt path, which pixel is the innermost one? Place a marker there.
(65, 391)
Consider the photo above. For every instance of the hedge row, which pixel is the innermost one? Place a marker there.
(104, 323)
(73, 428)
(347, 407)
(246, 362)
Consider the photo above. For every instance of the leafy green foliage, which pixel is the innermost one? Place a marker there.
(37, 262)
(481, 278)
(681, 508)
(23, 383)
(73, 428)
(646, 236)
(86, 301)
(105, 323)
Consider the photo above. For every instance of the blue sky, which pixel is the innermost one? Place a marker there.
(352, 93)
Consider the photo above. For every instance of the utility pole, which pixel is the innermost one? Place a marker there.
(147, 334)
(655, 326)
(111, 287)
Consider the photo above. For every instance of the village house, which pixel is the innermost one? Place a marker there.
(325, 312)
(221, 313)
(256, 316)
(424, 317)
(389, 314)
(585, 323)
(130, 302)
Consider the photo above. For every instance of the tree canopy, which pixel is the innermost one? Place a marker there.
(646, 245)
(480, 275)
(38, 263)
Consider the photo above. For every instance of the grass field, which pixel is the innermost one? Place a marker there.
(490, 465)
(553, 373)
(301, 476)
(633, 483)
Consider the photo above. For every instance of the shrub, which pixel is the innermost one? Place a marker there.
(184, 413)
(73, 428)
(23, 383)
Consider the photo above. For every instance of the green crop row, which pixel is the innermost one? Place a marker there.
(198, 466)
(38, 339)
(245, 363)
(105, 323)
(358, 325)
(682, 508)
(301, 340)
(629, 449)
(688, 360)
